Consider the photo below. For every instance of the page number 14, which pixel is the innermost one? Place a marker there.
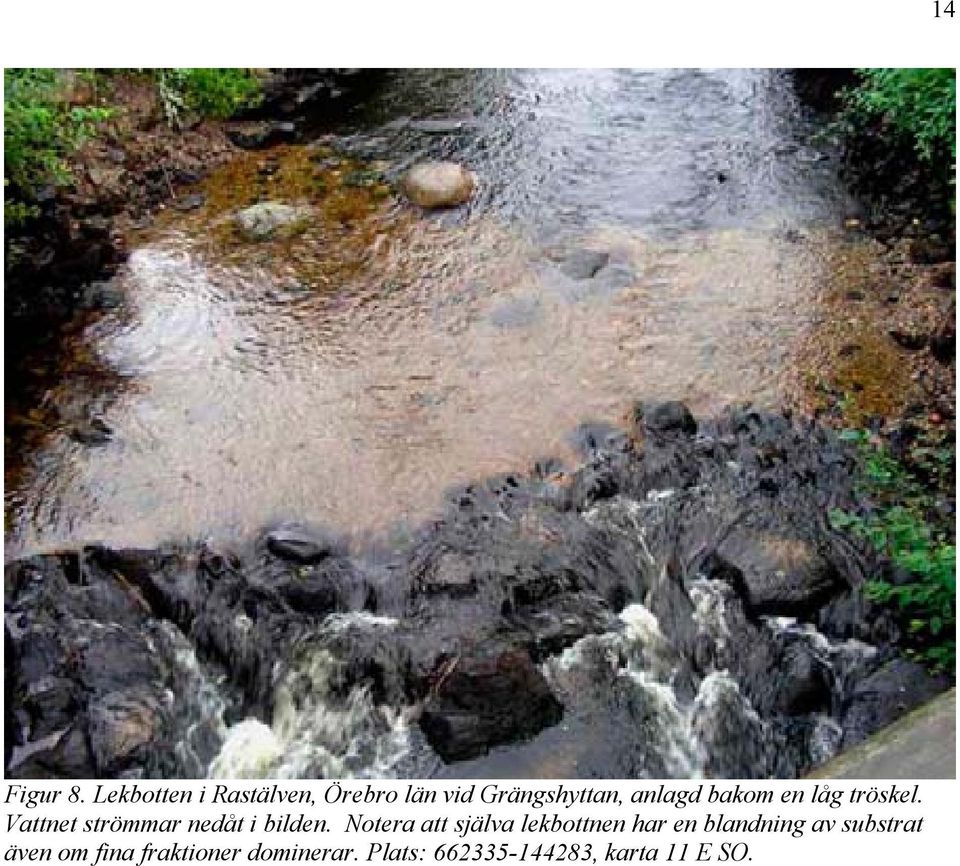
(941, 9)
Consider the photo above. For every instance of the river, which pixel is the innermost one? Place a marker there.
(350, 375)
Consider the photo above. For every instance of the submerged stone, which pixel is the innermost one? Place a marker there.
(584, 264)
(268, 219)
(438, 184)
(668, 417)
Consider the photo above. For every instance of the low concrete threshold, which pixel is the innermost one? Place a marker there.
(921, 745)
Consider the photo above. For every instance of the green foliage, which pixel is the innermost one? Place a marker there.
(926, 602)
(40, 129)
(920, 104)
(216, 93)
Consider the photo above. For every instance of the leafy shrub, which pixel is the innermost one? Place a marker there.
(927, 601)
(216, 93)
(920, 104)
(40, 129)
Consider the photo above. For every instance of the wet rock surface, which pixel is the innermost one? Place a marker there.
(885, 695)
(665, 595)
(481, 703)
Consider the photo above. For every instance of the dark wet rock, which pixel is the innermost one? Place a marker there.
(94, 431)
(304, 92)
(668, 417)
(709, 532)
(122, 726)
(64, 755)
(588, 485)
(805, 685)
(73, 639)
(584, 264)
(892, 690)
(165, 578)
(715, 567)
(450, 574)
(912, 341)
(438, 184)
(593, 436)
(315, 588)
(551, 629)
(479, 703)
(299, 544)
(782, 575)
(310, 593)
(852, 615)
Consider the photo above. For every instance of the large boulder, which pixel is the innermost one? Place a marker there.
(438, 184)
(87, 681)
(479, 703)
(779, 575)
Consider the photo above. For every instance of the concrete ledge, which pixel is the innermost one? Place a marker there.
(921, 745)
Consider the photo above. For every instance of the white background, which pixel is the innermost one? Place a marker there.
(134, 33)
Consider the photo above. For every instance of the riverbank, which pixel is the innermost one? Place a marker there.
(879, 360)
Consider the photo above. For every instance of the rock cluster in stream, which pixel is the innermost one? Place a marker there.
(517, 571)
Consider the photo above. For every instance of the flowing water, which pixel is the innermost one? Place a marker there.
(636, 235)
(351, 374)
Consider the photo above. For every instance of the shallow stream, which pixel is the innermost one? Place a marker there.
(635, 235)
